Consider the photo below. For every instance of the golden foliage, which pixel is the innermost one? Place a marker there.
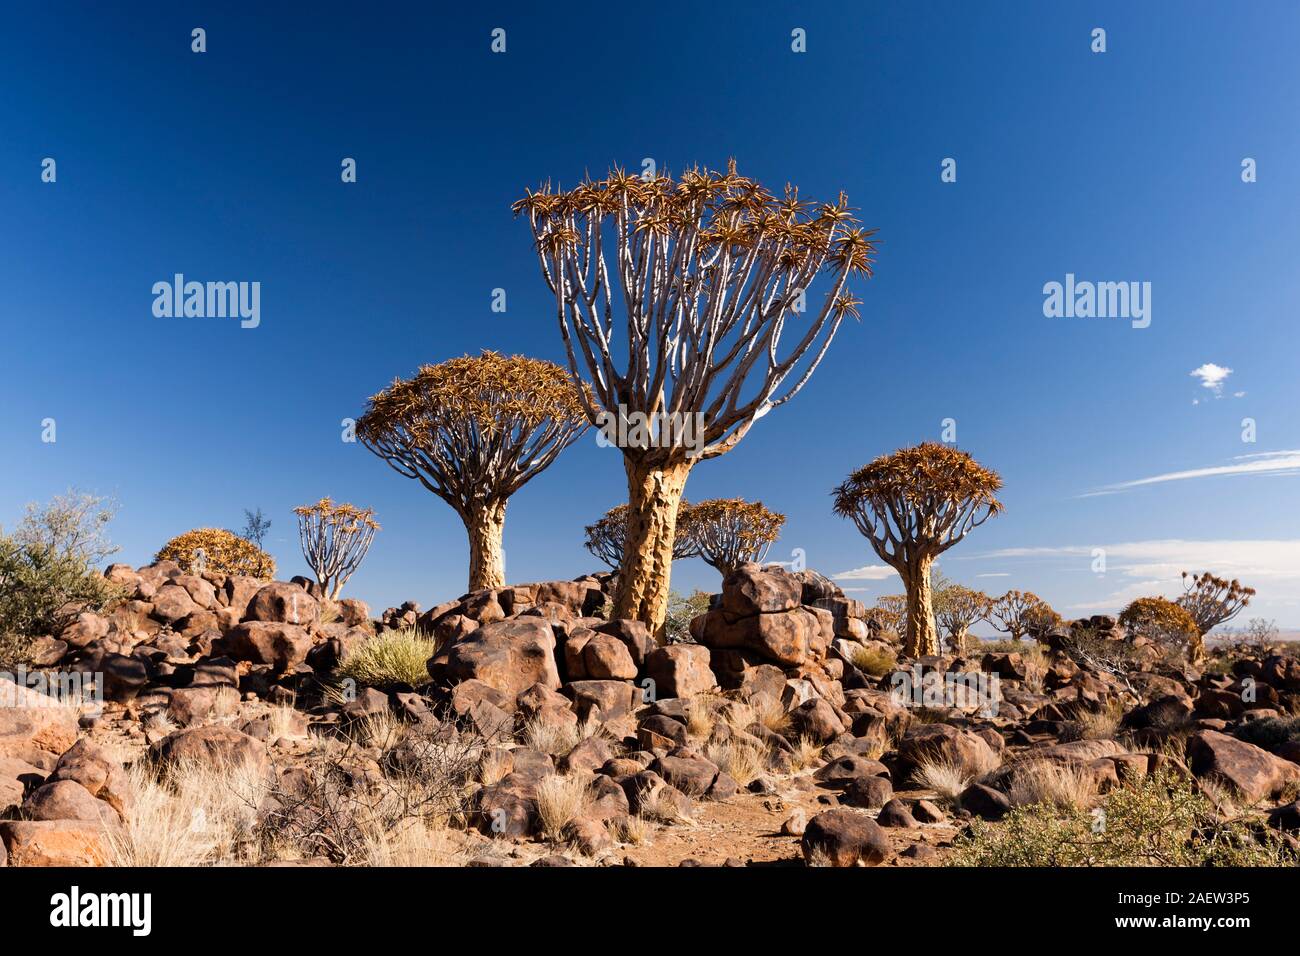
(929, 479)
(495, 392)
(213, 549)
(727, 532)
(733, 212)
(345, 517)
(474, 429)
(1160, 620)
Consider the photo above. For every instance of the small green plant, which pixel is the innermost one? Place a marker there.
(48, 571)
(389, 659)
(1270, 732)
(681, 610)
(1161, 820)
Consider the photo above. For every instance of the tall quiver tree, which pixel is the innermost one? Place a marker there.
(335, 540)
(474, 430)
(912, 506)
(672, 297)
(727, 532)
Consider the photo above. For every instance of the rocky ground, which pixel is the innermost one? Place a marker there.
(546, 734)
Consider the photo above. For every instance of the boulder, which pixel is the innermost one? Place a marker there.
(680, 670)
(605, 657)
(67, 800)
(844, 838)
(283, 603)
(31, 722)
(943, 743)
(1253, 773)
(216, 745)
(507, 655)
(95, 769)
(54, 842)
(280, 645)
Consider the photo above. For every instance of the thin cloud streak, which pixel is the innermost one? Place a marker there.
(1262, 463)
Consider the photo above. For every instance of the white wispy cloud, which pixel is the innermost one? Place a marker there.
(1261, 463)
(995, 574)
(870, 572)
(1156, 566)
(1211, 376)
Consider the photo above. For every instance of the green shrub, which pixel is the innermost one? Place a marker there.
(1160, 821)
(1270, 732)
(388, 660)
(681, 611)
(212, 549)
(48, 573)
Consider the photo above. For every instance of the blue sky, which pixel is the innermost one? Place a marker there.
(1115, 166)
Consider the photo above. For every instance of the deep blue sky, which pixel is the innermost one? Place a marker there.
(225, 166)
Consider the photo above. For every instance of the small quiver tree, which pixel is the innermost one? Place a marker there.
(1013, 612)
(473, 431)
(605, 538)
(912, 506)
(956, 609)
(727, 532)
(334, 539)
(1211, 601)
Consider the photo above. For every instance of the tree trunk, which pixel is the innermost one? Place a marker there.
(921, 636)
(654, 494)
(487, 563)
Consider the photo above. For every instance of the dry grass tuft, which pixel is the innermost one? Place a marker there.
(198, 815)
(561, 799)
(807, 753)
(1060, 785)
(744, 762)
(945, 778)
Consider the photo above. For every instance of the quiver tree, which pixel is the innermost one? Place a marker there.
(913, 506)
(474, 430)
(1015, 613)
(605, 538)
(334, 539)
(1212, 601)
(672, 298)
(1040, 620)
(1164, 623)
(956, 609)
(727, 532)
(888, 615)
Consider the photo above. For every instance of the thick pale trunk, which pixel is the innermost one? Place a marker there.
(487, 562)
(653, 497)
(921, 637)
(958, 640)
(1196, 649)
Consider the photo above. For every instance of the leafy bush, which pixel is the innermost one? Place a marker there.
(388, 660)
(213, 549)
(47, 571)
(1270, 732)
(1160, 821)
(681, 610)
